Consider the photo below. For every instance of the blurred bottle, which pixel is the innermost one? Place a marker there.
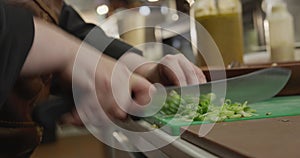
(223, 20)
(279, 31)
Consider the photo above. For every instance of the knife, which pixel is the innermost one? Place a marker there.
(253, 87)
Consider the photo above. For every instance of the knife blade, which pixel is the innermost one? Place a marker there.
(256, 86)
(253, 87)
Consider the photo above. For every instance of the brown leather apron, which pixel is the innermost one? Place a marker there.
(19, 135)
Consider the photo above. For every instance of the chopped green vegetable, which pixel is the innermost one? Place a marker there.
(204, 110)
(268, 113)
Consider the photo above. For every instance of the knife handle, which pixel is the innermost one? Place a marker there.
(47, 114)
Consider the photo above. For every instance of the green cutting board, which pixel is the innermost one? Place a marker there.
(275, 107)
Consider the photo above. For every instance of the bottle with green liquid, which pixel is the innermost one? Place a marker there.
(223, 21)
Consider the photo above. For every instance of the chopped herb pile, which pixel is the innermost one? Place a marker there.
(185, 108)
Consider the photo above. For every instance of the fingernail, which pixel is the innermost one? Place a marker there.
(152, 90)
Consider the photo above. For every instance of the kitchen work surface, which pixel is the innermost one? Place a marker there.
(272, 108)
(79, 146)
(273, 137)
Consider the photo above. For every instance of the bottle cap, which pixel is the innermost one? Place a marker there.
(269, 6)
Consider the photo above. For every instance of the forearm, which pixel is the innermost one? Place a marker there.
(54, 52)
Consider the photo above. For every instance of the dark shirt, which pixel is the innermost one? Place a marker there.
(16, 38)
(71, 22)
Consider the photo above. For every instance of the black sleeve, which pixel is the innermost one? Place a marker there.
(16, 37)
(71, 22)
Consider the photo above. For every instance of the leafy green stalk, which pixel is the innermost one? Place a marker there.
(204, 110)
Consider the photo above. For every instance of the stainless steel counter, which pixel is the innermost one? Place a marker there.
(178, 148)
